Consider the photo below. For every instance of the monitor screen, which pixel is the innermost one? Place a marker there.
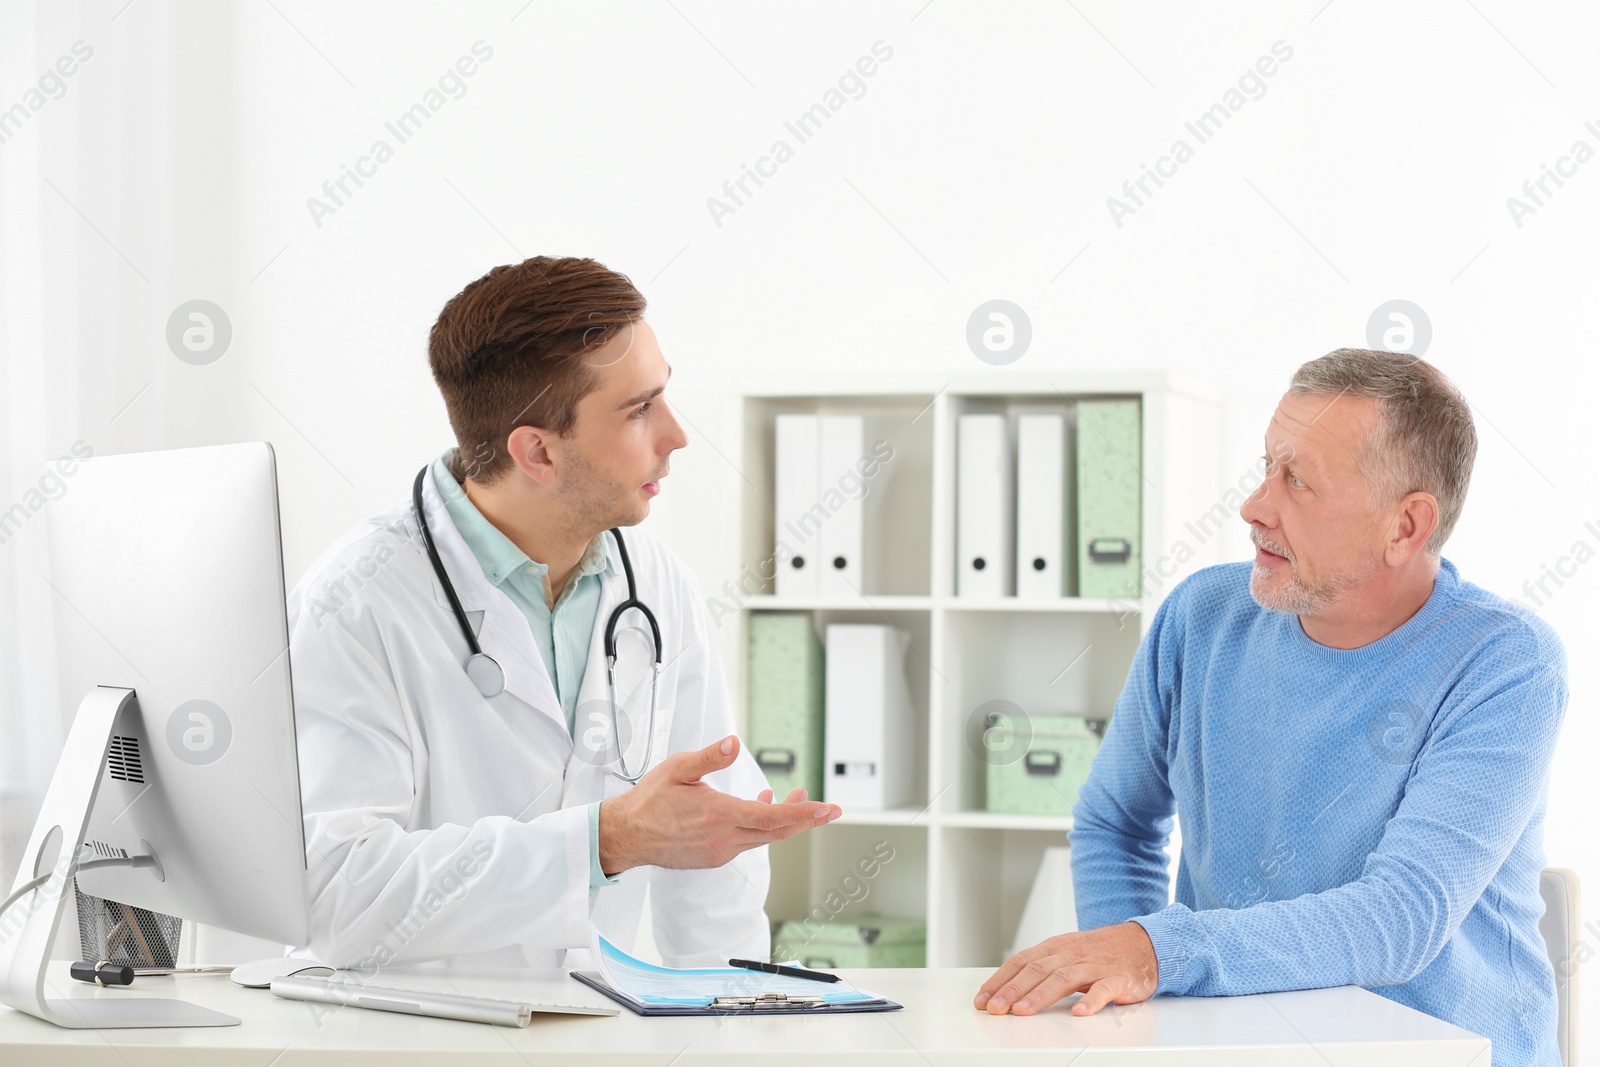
(167, 575)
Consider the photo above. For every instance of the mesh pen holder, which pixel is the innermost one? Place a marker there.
(121, 933)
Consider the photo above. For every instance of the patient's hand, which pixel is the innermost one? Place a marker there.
(1111, 965)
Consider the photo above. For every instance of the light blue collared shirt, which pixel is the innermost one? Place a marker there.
(563, 634)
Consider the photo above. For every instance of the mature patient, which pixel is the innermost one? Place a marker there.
(1356, 740)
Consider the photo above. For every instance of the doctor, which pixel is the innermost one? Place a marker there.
(469, 796)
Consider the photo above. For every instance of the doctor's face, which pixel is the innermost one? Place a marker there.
(618, 452)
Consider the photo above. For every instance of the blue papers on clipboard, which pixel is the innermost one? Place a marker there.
(647, 989)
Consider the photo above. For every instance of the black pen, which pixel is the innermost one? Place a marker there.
(778, 968)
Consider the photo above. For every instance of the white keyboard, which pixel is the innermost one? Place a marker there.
(416, 1000)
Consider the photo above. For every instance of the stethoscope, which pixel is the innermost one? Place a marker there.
(490, 678)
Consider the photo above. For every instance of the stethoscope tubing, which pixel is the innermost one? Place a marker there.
(489, 676)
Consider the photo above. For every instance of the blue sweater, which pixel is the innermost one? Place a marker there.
(1370, 816)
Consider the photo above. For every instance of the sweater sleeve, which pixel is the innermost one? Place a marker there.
(1123, 818)
(1438, 852)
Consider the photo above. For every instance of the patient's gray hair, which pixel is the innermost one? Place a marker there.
(1424, 440)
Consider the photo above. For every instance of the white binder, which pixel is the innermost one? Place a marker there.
(984, 544)
(841, 447)
(868, 741)
(1041, 505)
(798, 515)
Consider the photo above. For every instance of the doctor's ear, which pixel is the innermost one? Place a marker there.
(528, 447)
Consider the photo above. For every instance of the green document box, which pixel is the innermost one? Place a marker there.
(1109, 462)
(1046, 778)
(865, 941)
(785, 702)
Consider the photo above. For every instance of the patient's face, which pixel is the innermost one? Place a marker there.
(1314, 522)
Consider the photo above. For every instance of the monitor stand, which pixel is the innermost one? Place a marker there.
(29, 926)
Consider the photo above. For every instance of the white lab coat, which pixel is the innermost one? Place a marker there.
(441, 824)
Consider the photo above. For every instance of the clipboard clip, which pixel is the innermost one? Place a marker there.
(765, 1000)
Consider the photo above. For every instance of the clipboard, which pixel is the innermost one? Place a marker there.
(764, 1004)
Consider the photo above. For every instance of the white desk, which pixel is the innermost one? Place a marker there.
(938, 1027)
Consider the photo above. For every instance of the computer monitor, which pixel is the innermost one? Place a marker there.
(167, 577)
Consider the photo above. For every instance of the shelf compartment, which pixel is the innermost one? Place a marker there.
(1027, 663)
(843, 871)
(867, 602)
(1081, 604)
(999, 820)
(892, 817)
(897, 548)
(985, 875)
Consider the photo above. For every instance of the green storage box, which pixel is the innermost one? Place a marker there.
(785, 702)
(1047, 777)
(1108, 498)
(864, 941)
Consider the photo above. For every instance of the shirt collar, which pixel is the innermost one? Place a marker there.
(496, 553)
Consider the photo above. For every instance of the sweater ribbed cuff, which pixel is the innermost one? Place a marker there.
(1171, 931)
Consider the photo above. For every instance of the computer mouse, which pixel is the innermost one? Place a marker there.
(260, 973)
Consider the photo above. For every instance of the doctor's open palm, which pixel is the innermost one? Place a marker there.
(672, 818)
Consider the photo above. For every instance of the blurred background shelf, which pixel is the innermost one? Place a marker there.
(866, 602)
(996, 820)
(964, 870)
(1089, 604)
(895, 817)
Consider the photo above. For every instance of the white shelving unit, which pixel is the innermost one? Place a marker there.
(966, 870)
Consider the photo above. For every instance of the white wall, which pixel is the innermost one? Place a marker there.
(1377, 165)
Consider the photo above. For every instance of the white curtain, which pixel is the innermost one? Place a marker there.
(81, 270)
(118, 202)
(32, 406)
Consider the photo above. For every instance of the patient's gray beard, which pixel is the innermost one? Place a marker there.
(1296, 597)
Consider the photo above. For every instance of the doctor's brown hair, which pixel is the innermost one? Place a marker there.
(507, 351)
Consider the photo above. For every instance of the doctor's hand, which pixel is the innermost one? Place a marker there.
(672, 818)
(1111, 965)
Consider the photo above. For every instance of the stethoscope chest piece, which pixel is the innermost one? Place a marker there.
(486, 674)
(482, 670)
(490, 678)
